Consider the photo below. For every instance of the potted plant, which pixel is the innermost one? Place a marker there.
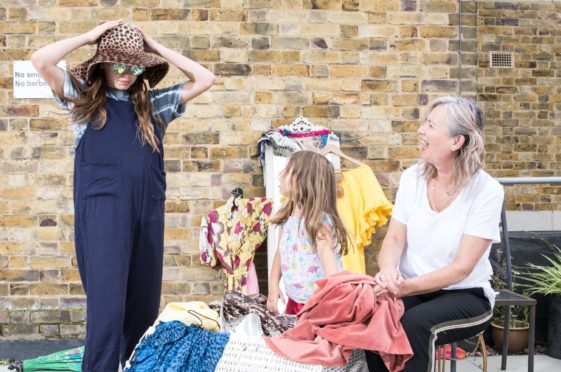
(519, 328)
(546, 279)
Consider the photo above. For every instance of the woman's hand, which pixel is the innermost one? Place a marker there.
(200, 79)
(150, 45)
(45, 59)
(388, 280)
(274, 295)
(93, 35)
(379, 291)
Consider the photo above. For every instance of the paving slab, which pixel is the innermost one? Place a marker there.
(28, 349)
(515, 363)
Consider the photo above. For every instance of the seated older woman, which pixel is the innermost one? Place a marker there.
(446, 215)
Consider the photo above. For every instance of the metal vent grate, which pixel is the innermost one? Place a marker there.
(501, 60)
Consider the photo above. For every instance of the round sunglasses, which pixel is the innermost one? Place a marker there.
(121, 68)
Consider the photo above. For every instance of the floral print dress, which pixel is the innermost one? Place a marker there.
(231, 234)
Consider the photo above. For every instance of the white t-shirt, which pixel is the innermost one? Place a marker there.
(433, 238)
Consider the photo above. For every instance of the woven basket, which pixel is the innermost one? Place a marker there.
(247, 351)
(244, 354)
(251, 353)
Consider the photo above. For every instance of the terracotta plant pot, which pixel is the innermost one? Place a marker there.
(517, 337)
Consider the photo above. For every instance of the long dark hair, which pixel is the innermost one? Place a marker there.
(89, 106)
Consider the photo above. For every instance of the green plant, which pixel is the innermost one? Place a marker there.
(520, 314)
(545, 279)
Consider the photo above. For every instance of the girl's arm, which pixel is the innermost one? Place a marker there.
(45, 59)
(470, 252)
(200, 78)
(389, 278)
(324, 245)
(274, 288)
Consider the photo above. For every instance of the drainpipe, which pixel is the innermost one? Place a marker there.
(459, 47)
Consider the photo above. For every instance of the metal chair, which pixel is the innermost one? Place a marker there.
(507, 297)
(441, 363)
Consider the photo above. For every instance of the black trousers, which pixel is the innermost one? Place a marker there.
(438, 318)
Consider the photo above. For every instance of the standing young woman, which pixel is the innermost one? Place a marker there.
(119, 179)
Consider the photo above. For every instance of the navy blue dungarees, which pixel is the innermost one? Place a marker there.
(119, 193)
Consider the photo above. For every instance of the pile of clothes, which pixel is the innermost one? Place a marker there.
(343, 318)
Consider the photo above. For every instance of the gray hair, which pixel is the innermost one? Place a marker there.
(466, 119)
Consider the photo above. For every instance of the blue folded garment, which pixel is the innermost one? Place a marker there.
(176, 347)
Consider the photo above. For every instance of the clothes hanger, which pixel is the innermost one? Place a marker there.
(237, 194)
(334, 149)
(331, 149)
(199, 316)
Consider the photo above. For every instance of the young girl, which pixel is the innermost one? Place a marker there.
(313, 237)
(119, 179)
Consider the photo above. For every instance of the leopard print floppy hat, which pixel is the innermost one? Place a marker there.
(123, 44)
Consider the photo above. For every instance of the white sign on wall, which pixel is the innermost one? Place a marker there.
(28, 83)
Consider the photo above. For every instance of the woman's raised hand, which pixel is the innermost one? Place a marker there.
(150, 45)
(93, 35)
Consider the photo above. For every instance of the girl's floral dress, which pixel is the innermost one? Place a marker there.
(300, 265)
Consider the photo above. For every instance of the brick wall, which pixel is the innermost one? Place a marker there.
(364, 68)
(522, 103)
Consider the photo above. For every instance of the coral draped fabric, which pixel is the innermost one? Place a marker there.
(342, 315)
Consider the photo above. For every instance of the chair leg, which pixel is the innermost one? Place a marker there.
(506, 327)
(437, 360)
(454, 355)
(531, 340)
(483, 351)
(440, 360)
